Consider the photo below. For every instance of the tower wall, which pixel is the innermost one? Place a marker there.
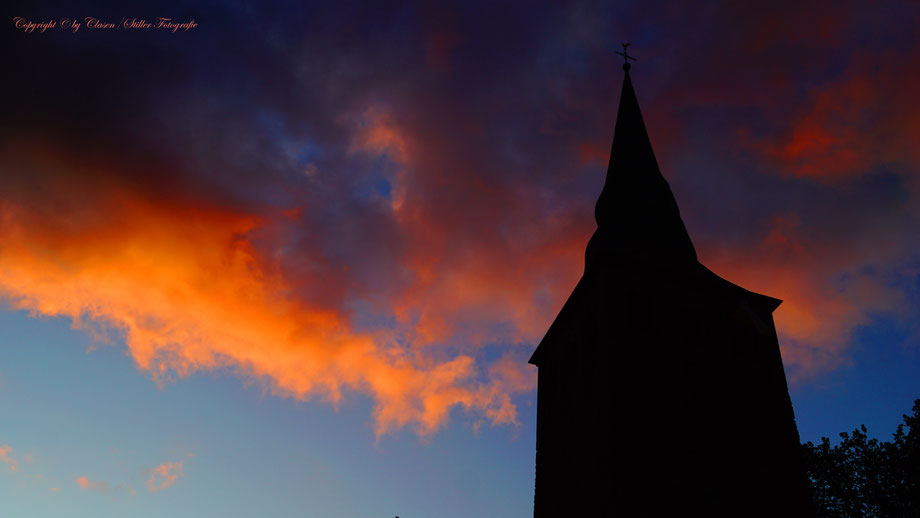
(667, 398)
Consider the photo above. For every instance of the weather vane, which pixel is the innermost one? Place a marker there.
(626, 56)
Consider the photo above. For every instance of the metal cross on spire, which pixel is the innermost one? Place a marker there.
(626, 56)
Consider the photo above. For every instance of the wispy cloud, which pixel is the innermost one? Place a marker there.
(164, 476)
(7, 458)
(200, 296)
(101, 486)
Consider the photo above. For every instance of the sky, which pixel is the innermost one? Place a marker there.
(291, 259)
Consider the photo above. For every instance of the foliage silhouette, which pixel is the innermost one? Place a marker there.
(865, 477)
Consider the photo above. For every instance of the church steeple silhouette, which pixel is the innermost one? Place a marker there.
(661, 389)
(636, 212)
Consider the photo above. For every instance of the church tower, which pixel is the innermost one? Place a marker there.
(661, 389)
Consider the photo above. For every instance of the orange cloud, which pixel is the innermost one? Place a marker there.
(472, 289)
(6, 458)
(100, 486)
(164, 476)
(187, 291)
(377, 133)
(826, 297)
(863, 118)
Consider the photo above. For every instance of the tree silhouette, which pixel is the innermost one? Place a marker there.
(865, 477)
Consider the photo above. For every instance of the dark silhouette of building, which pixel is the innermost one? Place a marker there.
(661, 388)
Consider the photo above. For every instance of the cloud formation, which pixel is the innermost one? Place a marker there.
(189, 292)
(99, 486)
(395, 203)
(164, 476)
(7, 458)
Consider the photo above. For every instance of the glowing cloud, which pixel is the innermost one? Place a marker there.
(164, 476)
(827, 293)
(6, 458)
(99, 486)
(188, 291)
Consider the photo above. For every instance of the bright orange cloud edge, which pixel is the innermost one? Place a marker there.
(188, 293)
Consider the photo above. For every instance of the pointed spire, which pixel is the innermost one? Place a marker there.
(637, 216)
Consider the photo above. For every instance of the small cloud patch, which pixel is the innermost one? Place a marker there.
(6, 458)
(164, 476)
